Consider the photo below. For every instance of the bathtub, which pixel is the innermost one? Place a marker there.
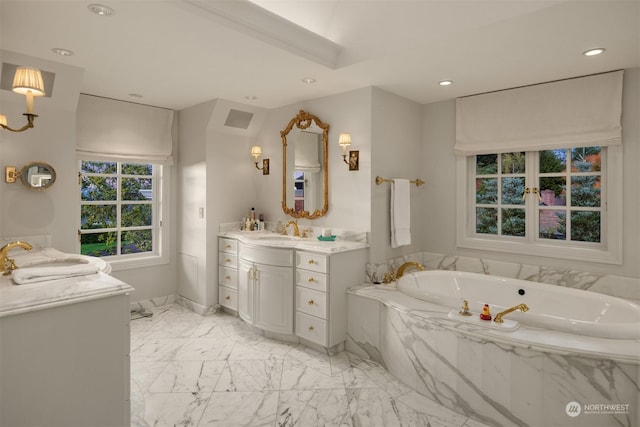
(524, 376)
(551, 307)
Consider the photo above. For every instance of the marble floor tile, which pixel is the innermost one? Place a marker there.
(188, 370)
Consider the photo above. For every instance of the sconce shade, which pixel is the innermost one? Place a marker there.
(27, 80)
(344, 139)
(3, 120)
(256, 151)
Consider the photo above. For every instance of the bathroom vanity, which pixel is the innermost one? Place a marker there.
(65, 352)
(294, 288)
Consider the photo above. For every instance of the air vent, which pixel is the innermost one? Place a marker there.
(9, 70)
(238, 119)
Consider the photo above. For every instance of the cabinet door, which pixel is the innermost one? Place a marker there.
(273, 298)
(245, 290)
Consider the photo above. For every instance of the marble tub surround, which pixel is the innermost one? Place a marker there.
(215, 371)
(525, 377)
(617, 286)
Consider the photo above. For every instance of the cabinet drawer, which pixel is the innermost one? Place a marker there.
(228, 277)
(227, 245)
(228, 297)
(267, 256)
(311, 302)
(311, 261)
(311, 328)
(311, 280)
(228, 260)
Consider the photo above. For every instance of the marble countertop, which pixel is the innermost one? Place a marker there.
(270, 239)
(626, 351)
(17, 299)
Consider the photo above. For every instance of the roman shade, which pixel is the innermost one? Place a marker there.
(583, 111)
(306, 154)
(112, 130)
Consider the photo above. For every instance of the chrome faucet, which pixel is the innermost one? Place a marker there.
(7, 265)
(296, 230)
(499, 316)
(404, 266)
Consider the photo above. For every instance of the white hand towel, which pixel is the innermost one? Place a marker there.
(23, 276)
(400, 213)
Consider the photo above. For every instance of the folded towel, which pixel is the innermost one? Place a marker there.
(400, 213)
(23, 276)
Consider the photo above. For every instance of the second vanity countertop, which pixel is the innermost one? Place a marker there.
(17, 299)
(275, 240)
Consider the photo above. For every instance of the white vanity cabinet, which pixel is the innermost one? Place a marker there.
(265, 288)
(228, 273)
(321, 294)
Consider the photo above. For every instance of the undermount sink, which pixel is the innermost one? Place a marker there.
(277, 237)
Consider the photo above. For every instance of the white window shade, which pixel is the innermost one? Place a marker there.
(116, 130)
(307, 152)
(584, 111)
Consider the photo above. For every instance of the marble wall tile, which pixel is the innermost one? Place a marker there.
(363, 326)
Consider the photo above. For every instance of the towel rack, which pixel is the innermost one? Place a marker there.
(418, 182)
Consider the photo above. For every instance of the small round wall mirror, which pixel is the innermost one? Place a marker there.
(37, 175)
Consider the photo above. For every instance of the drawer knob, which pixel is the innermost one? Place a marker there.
(227, 297)
(311, 279)
(310, 302)
(310, 328)
(311, 261)
(227, 246)
(227, 278)
(227, 261)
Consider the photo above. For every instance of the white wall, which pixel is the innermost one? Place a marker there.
(439, 169)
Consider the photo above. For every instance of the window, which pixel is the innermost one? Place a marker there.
(120, 210)
(562, 203)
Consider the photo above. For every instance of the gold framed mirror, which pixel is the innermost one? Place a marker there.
(305, 175)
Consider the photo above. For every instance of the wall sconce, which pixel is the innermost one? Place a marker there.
(256, 152)
(28, 82)
(354, 156)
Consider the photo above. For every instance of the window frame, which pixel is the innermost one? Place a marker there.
(160, 211)
(608, 251)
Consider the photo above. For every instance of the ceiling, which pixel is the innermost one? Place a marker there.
(179, 53)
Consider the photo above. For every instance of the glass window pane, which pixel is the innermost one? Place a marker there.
(297, 175)
(136, 241)
(96, 188)
(553, 161)
(98, 216)
(513, 163)
(136, 215)
(553, 191)
(137, 189)
(136, 169)
(586, 159)
(98, 244)
(486, 164)
(585, 226)
(553, 224)
(487, 220)
(299, 189)
(585, 191)
(298, 205)
(512, 191)
(513, 222)
(487, 191)
(99, 167)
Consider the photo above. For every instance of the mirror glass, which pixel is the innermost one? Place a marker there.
(37, 175)
(305, 178)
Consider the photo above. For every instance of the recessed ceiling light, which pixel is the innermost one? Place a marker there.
(62, 52)
(445, 83)
(135, 95)
(308, 80)
(102, 10)
(593, 52)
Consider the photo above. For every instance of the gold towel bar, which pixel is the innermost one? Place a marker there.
(418, 182)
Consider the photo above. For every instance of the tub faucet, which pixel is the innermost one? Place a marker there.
(7, 265)
(499, 316)
(296, 230)
(404, 266)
